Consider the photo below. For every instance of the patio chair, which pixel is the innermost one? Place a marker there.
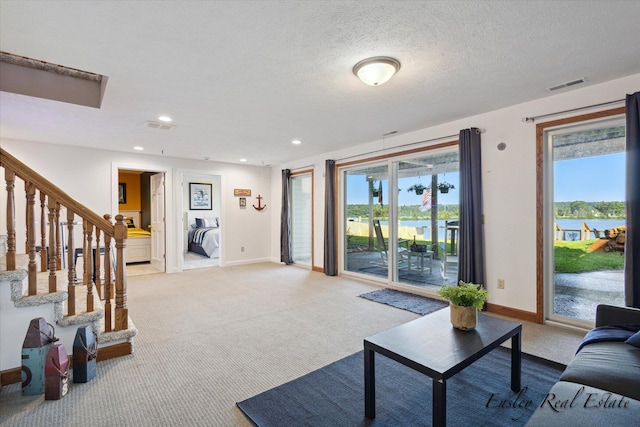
(449, 262)
(382, 248)
(597, 234)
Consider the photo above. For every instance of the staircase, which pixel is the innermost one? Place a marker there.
(35, 284)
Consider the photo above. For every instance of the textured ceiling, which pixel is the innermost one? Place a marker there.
(242, 79)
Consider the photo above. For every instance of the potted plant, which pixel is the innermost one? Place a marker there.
(375, 191)
(465, 301)
(418, 188)
(444, 187)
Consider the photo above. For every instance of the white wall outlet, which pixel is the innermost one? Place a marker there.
(242, 249)
(500, 283)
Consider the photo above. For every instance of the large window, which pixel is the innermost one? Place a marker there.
(584, 219)
(400, 218)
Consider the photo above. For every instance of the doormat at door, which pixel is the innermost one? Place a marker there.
(406, 301)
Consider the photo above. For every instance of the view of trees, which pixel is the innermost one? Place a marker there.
(580, 209)
(405, 212)
(576, 209)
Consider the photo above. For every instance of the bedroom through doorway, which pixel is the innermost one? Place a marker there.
(141, 201)
(201, 208)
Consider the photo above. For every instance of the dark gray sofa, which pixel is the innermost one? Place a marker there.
(601, 385)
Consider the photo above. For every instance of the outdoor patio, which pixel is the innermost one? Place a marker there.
(577, 295)
(370, 263)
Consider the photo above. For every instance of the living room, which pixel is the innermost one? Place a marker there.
(250, 238)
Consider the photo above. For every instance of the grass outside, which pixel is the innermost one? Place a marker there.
(570, 256)
(575, 257)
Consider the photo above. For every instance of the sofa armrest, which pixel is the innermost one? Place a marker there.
(612, 315)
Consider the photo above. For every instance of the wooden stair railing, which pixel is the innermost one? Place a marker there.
(53, 200)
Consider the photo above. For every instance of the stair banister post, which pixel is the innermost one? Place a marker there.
(96, 264)
(71, 284)
(59, 249)
(121, 311)
(108, 288)
(89, 265)
(30, 189)
(53, 283)
(10, 177)
(43, 232)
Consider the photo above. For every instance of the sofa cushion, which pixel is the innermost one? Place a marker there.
(571, 404)
(634, 340)
(612, 366)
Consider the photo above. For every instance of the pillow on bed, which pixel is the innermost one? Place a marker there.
(200, 223)
(211, 222)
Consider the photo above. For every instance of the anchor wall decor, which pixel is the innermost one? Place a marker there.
(260, 206)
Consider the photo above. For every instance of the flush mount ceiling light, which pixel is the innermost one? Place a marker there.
(296, 142)
(376, 71)
(165, 119)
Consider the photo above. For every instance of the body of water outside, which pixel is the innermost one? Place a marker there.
(566, 224)
(593, 223)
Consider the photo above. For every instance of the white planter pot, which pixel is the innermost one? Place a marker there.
(464, 318)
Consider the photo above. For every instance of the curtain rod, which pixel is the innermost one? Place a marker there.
(402, 145)
(532, 119)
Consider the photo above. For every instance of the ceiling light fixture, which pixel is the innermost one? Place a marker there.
(296, 142)
(376, 71)
(165, 119)
(138, 148)
(243, 160)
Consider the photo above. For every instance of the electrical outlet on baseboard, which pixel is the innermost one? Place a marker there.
(500, 283)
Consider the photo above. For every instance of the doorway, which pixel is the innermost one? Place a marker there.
(201, 221)
(141, 200)
(584, 218)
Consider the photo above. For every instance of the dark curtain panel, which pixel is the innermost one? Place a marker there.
(330, 249)
(471, 246)
(285, 219)
(632, 241)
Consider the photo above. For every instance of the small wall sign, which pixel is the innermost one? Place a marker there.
(242, 192)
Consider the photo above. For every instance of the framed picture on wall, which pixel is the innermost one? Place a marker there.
(200, 196)
(122, 193)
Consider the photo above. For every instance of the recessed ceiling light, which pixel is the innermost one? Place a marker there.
(138, 148)
(165, 119)
(296, 142)
(243, 160)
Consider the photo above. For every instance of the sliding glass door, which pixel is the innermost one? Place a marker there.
(365, 220)
(584, 219)
(302, 217)
(427, 219)
(400, 218)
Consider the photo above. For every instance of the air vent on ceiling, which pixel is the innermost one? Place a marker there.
(567, 84)
(158, 125)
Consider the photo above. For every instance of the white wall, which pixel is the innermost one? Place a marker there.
(509, 184)
(91, 177)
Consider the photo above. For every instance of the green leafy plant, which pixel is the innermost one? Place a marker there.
(375, 190)
(418, 188)
(444, 187)
(465, 294)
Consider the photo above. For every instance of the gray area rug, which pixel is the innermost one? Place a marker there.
(333, 395)
(406, 301)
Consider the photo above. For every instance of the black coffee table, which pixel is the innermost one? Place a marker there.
(432, 346)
